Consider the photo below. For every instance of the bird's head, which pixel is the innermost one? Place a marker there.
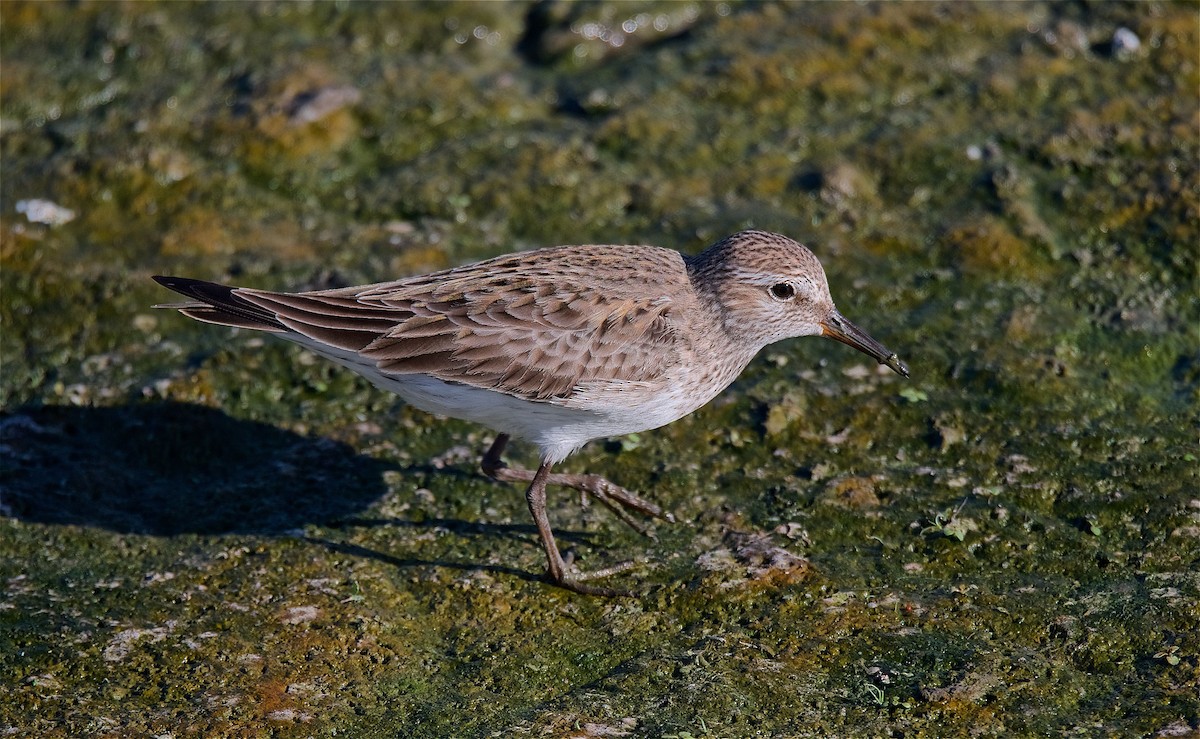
(769, 288)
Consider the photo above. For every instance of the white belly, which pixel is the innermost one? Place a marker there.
(557, 427)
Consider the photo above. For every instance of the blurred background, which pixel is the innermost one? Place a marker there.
(211, 533)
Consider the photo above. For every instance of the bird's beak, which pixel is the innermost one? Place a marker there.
(836, 326)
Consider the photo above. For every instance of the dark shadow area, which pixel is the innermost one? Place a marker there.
(162, 469)
(522, 532)
(173, 468)
(359, 551)
(514, 531)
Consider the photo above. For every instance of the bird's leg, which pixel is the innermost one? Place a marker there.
(535, 495)
(614, 497)
(556, 568)
(493, 466)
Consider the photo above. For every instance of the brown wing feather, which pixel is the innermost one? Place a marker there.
(537, 325)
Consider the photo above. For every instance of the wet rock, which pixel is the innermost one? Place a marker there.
(123, 642)
(590, 32)
(764, 560)
(845, 187)
(1066, 37)
(300, 113)
(784, 413)
(299, 615)
(947, 430)
(313, 105)
(843, 181)
(1018, 202)
(852, 492)
(985, 244)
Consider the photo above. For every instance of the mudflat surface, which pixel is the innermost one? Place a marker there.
(212, 533)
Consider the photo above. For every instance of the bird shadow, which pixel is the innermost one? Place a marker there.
(526, 533)
(165, 468)
(361, 552)
(462, 527)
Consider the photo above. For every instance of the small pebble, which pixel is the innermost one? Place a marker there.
(45, 211)
(313, 105)
(1125, 43)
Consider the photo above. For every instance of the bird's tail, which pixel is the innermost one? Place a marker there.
(219, 304)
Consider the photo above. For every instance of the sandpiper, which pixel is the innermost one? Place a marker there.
(559, 346)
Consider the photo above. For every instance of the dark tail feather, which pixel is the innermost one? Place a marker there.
(218, 304)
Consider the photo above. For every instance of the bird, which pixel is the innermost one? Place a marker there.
(559, 346)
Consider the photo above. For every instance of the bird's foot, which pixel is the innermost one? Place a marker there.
(570, 578)
(614, 497)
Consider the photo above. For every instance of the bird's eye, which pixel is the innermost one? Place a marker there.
(782, 291)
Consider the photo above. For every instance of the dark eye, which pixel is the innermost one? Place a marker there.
(782, 291)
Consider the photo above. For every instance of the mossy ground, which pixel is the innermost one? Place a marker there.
(208, 534)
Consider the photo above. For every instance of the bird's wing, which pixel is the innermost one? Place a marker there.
(538, 327)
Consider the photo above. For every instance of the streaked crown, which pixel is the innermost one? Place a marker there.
(766, 287)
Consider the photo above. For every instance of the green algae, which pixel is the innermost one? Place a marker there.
(210, 534)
